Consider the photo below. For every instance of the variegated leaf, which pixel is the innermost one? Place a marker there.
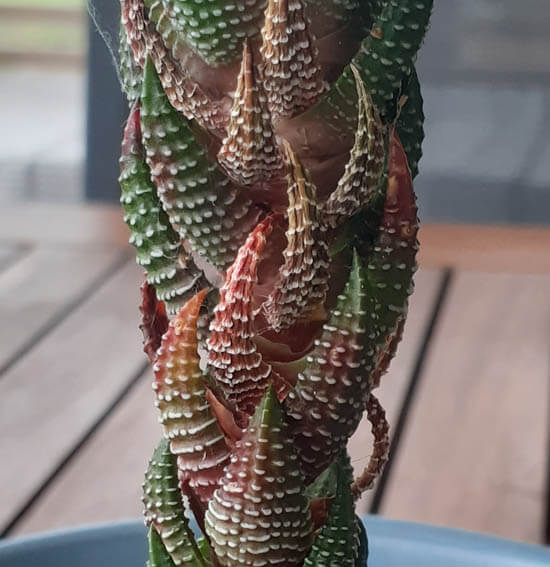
(215, 29)
(234, 362)
(185, 413)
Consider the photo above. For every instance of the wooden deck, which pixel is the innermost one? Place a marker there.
(467, 395)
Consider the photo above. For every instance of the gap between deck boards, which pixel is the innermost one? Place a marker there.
(63, 311)
(85, 488)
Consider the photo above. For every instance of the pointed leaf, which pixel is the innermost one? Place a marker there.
(328, 401)
(336, 544)
(303, 277)
(233, 359)
(200, 201)
(182, 91)
(292, 75)
(410, 124)
(185, 413)
(158, 247)
(165, 513)
(392, 262)
(154, 321)
(385, 58)
(360, 182)
(260, 512)
(249, 153)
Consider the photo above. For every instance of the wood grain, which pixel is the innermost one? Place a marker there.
(474, 453)
(37, 288)
(63, 224)
(485, 248)
(395, 383)
(103, 482)
(56, 392)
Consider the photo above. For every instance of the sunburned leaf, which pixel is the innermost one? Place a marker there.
(165, 513)
(202, 205)
(187, 418)
(154, 321)
(260, 512)
(303, 276)
(234, 362)
(158, 247)
(292, 75)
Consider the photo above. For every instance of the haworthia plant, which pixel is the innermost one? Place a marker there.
(266, 177)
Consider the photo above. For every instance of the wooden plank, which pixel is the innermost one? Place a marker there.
(485, 248)
(395, 383)
(54, 395)
(103, 481)
(9, 252)
(35, 290)
(63, 224)
(474, 452)
(66, 15)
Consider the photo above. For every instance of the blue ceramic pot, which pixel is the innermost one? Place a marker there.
(392, 544)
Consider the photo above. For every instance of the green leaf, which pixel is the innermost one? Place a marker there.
(328, 401)
(131, 73)
(410, 124)
(201, 204)
(158, 556)
(165, 512)
(337, 543)
(384, 60)
(363, 551)
(158, 247)
(215, 30)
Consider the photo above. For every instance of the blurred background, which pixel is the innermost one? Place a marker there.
(468, 394)
(484, 68)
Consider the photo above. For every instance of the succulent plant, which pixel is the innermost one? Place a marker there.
(266, 177)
